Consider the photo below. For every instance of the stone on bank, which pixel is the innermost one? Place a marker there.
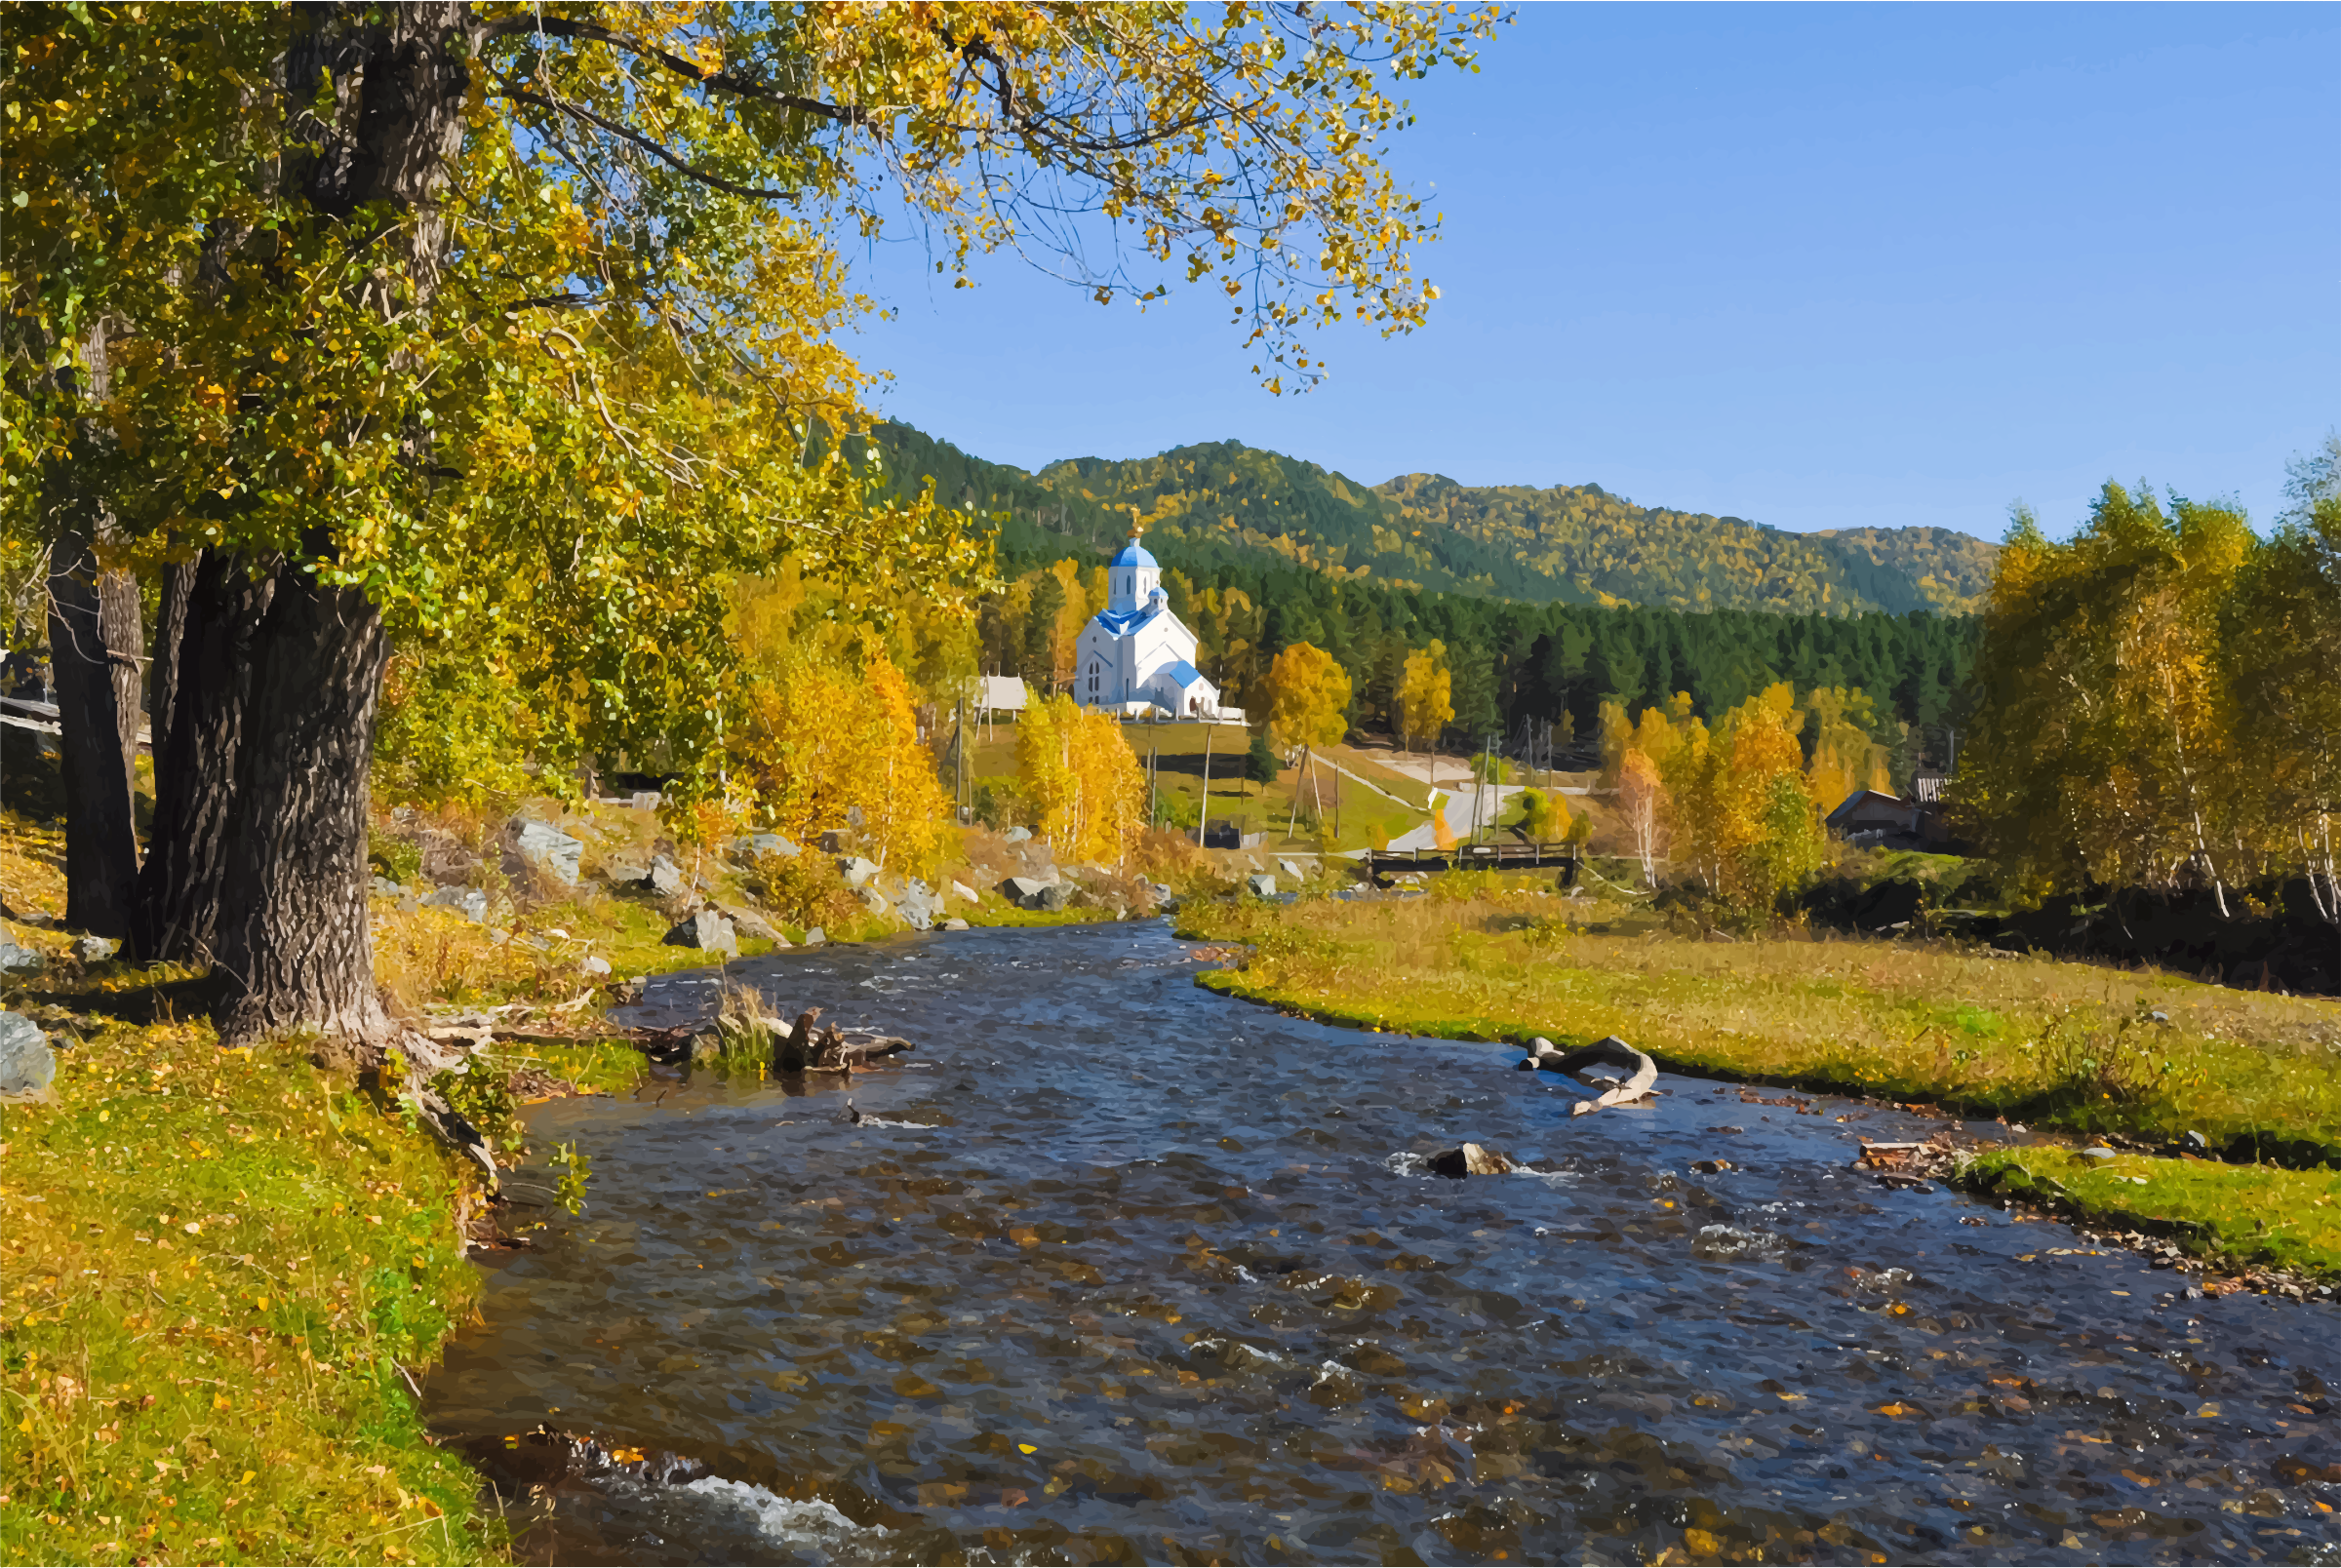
(549, 849)
(708, 931)
(26, 1063)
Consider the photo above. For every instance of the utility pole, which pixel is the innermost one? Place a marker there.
(1487, 792)
(1203, 825)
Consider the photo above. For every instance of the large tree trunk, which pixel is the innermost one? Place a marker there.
(95, 634)
(196, 756)
(96, 637)
(292, 946)
(260, 859)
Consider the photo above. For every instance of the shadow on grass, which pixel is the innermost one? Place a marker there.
(130, 995)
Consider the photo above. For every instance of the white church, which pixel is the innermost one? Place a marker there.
(1134, 655)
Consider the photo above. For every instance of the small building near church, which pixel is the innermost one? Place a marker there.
(1876, 817)
(1002, 693)
(1134, 655)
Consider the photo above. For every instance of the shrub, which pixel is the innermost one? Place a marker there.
(1259, 762)
(804, 890)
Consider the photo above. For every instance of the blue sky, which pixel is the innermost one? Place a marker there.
(1816, 267)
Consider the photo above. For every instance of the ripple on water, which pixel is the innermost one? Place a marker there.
(1125, 1271)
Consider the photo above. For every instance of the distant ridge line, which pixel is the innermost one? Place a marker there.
(1563, 543)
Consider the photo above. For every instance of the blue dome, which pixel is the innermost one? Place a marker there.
(1134, 554)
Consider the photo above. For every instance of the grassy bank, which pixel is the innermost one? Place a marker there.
(2288, 1219)
(216, 1265)
(2070, 1046)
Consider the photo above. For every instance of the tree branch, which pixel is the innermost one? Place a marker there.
(726, 81)
(577, 111)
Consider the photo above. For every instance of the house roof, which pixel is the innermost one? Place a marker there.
(1859, 799)
(1184, 674)
(1134, 554)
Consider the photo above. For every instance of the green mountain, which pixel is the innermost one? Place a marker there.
(1226, 502)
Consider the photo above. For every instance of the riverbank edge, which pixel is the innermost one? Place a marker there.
(2219, 1236)
(2204, 1214)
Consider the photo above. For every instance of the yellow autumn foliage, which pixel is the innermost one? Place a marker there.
(1425, 694)
(1081, 779)
(826, 741)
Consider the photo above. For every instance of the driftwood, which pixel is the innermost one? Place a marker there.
(833, 1049)
(1608, 1052)
(792, 1051)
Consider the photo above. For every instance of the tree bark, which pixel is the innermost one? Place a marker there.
(196, 759)
(162, 670)
(291, 946)
(95, 634)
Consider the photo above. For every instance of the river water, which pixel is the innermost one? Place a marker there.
(1118, 1269)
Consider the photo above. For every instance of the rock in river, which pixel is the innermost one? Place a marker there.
(15, 959)
(1470, 1160)
(1259, 884)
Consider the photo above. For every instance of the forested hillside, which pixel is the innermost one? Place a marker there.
(1506, 662)
(1225, 503)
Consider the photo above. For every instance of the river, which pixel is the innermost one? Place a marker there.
(1118, 1269)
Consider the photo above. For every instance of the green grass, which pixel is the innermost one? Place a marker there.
(2243, 1213)
(212, 1266)
(596, 1066)
(2072, 1047)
